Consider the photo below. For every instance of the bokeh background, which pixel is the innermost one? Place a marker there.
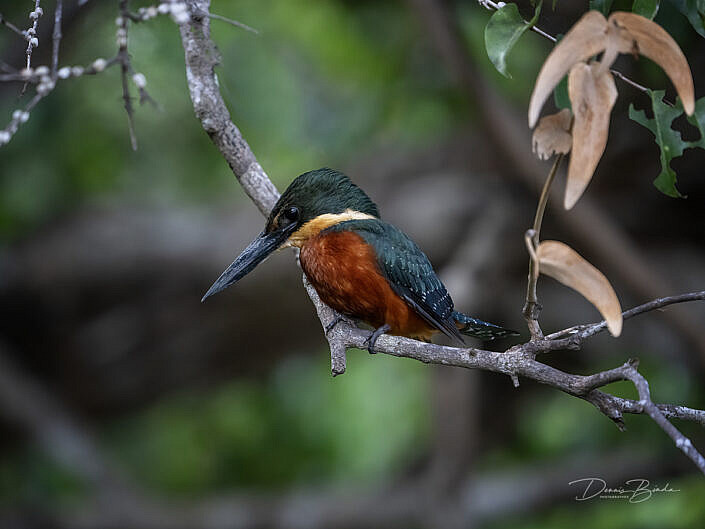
(125, 402)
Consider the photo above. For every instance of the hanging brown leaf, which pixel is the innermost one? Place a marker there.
(552, 136)
(585, 39)
(561, 262)
(592, 95)
(639, 34)
(623, 32)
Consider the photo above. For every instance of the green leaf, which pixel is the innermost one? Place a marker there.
(698, 121)
(670, 142)
(560, 94)
(646, 8)
(601, 5)
(503, 31)
(694, 10)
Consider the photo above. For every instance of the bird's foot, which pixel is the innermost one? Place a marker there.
(372, 339)
(336, 321)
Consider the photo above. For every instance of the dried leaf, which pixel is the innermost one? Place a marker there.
(623, 32)
(552, 136)
(592, 96)
(502, 32)
(564, 264)
(652, 41)
(585, 39)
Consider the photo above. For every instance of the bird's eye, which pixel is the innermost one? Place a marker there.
(291, 214)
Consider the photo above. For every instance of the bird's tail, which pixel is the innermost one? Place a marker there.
(480, 329)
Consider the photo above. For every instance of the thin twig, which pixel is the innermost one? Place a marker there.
(233, 22)
(9, 25)
(56, 39)
(45, 85)
(493, 6)
(124, 58)
(32, 39)
(582, 332)
(532, 308)
(636, 85)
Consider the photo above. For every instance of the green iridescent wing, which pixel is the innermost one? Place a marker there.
(408, 271)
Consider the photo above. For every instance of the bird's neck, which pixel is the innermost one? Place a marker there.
(314, 226)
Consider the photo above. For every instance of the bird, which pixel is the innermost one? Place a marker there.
(361, 266)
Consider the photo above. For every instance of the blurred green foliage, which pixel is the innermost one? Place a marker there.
(298, 426)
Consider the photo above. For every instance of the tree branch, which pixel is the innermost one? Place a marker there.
(582, 332)
(201, 59)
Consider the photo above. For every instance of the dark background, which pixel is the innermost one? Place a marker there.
(109, 359)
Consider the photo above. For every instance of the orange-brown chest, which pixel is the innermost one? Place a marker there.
(343, 269)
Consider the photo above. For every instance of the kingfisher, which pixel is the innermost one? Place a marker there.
(362, 267)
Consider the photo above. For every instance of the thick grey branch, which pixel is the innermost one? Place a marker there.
(201, 59)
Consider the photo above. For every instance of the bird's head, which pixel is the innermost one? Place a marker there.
(313, 201)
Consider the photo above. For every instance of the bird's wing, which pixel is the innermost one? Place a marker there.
(409, 273)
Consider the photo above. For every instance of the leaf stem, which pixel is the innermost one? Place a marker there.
(532, 308)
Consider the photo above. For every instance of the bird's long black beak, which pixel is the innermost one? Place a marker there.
(257, 251)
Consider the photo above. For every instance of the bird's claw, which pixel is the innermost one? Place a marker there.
(372, 338)
(336, 321)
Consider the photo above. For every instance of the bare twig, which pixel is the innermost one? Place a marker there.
(233, 22)
(32, 39)
(9, 25)
(636, 85)
(45, 78)
(124, 58)
(532, 308)
(582, 332)
(45, 85)
(494, 6)
(56, 39)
